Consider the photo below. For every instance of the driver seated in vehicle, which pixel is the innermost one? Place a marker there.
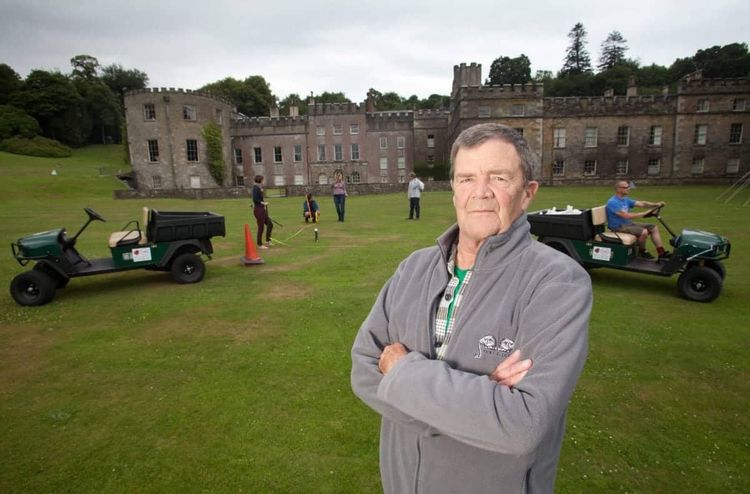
(619, 219)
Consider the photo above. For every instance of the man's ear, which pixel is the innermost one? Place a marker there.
(529, 193)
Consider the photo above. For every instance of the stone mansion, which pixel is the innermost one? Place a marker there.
(693, 134)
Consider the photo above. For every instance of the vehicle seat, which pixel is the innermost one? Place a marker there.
(130, 235)
(599, 219)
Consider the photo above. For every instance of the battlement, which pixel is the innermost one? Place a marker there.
(334, 108)
(606, 105)
(395, 115)
(425, 114)
(698, 85)
(171, 90)
(527, 90)
(258, 122)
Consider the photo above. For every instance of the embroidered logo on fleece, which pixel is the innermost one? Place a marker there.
(488, 346)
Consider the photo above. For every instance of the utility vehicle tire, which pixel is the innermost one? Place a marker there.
(700, 284)
(32, 288)
(188, 268)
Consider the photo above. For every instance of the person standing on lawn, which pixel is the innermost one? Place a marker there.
(260, 211)
(473, 348)
(415, 187)
(339, 194)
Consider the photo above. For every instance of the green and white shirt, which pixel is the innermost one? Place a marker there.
(449, 303)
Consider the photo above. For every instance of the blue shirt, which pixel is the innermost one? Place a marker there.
(615, 205)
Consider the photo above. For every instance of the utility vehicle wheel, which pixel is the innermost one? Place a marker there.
(700, 284)
(32, 288)
(188, 268)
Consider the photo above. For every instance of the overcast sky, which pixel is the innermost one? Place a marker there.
(299, 46)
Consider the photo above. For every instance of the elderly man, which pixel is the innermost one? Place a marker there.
(620, 219)
(474, 347)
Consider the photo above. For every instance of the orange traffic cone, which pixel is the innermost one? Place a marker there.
(251, 255)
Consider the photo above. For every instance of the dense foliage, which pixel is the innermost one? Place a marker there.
(215, 150)
(36, 146)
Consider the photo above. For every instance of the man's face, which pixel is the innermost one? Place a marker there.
(622, 188)
(488, 189)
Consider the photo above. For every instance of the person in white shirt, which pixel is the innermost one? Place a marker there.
(416, 187)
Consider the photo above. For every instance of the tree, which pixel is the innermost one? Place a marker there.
(252, 97)
(577, 59)
(542, 75)
(120, 80)
(84, 67)
(293, 99)
(731, 60)
(14, 121)
(506, 70)
(613, 51)
(51, 98)
(10, 82)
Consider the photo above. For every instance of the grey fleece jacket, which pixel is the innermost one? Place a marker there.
(447, 427)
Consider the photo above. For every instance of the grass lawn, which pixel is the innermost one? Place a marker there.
(131, 383)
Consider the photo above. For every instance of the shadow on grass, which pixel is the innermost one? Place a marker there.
(92, 286)
(636, 283)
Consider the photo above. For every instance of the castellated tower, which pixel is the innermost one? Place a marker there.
(165, 138)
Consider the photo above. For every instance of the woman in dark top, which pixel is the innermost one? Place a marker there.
(261, 213)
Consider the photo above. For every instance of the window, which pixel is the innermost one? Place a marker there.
(279, 180)
(195, 182)
(338, 152)
(518, 110)
(383, 163)
(354, 129)
(519, 130)
(621, 167)
(702, 105)
(338, 129)
(355, 177)
(739, 104)
(591, 137)
(320, 130)
(149, 111)
(348, 179)
(299, 180)
(192, 150)
(402, 162)
(589, 167)
(654, 136)
(430, 140)
(298, 152)
(321, 152)
(733, 166)
(238, 156)
(559, 136)
(156, 181)
(558, 168)
(383, 143)
(355, 152)
(402, 179)
(323, 179)
(623, 135)
(219, 116)
(430, 161)
(384, 179)
(400, 142)
(257, 155)
(188, 112)
(698, 165)
(153, 150)
(700, 134)
(735, 133)
(484, 112)
(239, 181)
(277, 158)
(654, 166)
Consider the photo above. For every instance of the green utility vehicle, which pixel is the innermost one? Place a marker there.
(697, 255)
(168, 241)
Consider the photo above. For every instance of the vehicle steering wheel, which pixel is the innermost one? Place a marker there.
(93, 215)
(653, 212)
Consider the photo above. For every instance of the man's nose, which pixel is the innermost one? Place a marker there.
(482, 187)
